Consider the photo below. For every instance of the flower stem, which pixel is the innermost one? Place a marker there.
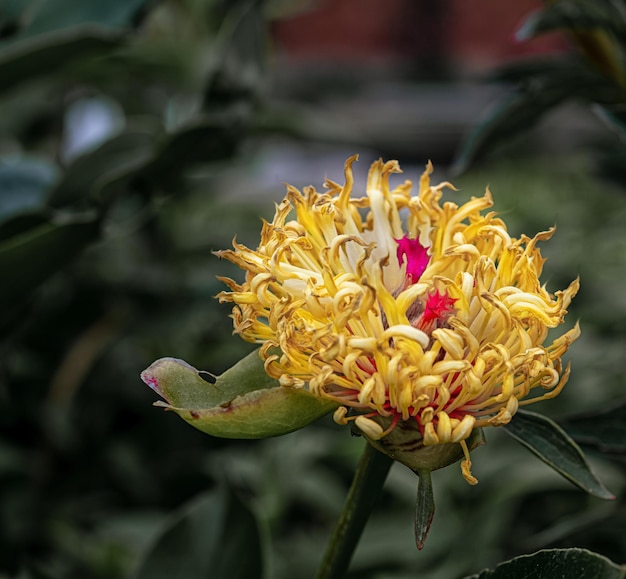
(368, 481)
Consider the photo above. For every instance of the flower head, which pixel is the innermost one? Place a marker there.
(401, 309)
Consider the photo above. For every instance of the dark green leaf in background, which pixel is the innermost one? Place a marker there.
(46, 36)
(114, 159)
(140, 153)
(21, 223)
(206, 140)
(51, 53)
(11, 13)
(556, 564)
(596, 27)
(566, 78)
(50, 15)
(604, 430)
(573, 15)
(31, 257)
(550, 443)
(239, 67)
(515, 113)
(614, 116)
(216, 537)
(542, 85)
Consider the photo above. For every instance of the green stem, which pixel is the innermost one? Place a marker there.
(368, 481)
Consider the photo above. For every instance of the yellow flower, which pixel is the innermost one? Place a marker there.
(401, 309)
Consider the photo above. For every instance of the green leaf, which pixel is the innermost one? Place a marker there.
(512, 116)
(215, 537)
(144, 154)
(32, 256)
(53, 52)
(11, 15)
(24, 186)
(52, 34)
(240, 55)
(52, 15)
(573, 15)
(597, 27)
(551, 444)
(118, 158)
(244, 402)
(572, 77)
(21, 223)
(541, 87)
(207, 139)
(614, 117)
(556, 563)
(604, 430)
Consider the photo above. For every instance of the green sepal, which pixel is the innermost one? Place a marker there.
(424, 507)
(406, 445)
(243, 402)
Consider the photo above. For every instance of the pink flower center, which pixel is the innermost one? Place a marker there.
(415, 255)
(438, 307)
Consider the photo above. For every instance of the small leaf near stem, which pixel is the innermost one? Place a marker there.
(550, 443)
(366, 485)
(424, 507)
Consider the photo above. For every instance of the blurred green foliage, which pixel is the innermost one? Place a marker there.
(593, 75)
(105, 241)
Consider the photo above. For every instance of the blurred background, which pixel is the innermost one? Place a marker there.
(137, 136)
